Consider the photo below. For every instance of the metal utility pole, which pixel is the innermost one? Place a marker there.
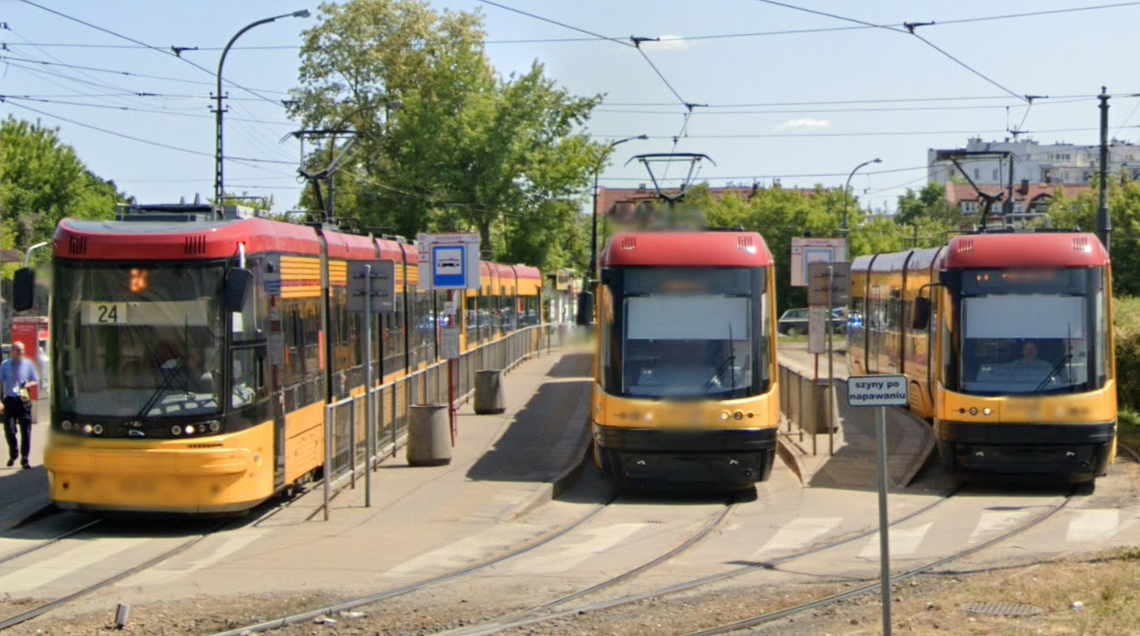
(1103, 220)
(586, 298)
(218, 110)
(847, 187)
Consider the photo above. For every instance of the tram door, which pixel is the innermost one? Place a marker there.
(276, 342)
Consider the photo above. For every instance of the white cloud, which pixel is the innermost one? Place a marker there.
(667, 43)
(804, 124)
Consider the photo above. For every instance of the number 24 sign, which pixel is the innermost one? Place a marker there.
(105, 313)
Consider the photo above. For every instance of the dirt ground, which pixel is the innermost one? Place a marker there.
(1096, 595)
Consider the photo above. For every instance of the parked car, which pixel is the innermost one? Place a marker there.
(794, 322)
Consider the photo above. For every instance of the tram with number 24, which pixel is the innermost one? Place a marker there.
(196, 348)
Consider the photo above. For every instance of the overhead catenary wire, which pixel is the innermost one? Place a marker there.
(908, 28)
(136, 109)
(877, 133)
(96, 69)
(555, 22)
(711, 36)
(149, 46)
(142, 140)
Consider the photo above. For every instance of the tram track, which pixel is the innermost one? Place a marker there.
(47, 542)
(548, 611)
(795, 610)
(44, 608)
(535, 616)
(309, 615)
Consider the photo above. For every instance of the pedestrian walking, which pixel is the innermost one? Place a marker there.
(17, 375)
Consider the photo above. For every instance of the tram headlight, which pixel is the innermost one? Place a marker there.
(87, 429)
(98, 429)
(739, 415)
(973, 410)
(215, 426)
(189, 429)
(987, 411)
(724, 416)
(65, 425)
(176, 430)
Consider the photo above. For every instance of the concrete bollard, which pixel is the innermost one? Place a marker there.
(429, 435)
(489, 392)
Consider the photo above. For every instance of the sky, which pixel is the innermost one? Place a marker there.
(803, 107)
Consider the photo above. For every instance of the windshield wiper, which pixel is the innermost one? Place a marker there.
(1053, 372)
(719, 370)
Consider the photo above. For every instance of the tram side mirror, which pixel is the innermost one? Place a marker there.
(24, 289)
(921, 313)
(238, 282)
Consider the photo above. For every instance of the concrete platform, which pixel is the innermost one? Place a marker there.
(24, 492)
(852, 464)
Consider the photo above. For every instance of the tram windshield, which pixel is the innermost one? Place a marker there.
(138, 340)
(1032, 332)
(691, 333)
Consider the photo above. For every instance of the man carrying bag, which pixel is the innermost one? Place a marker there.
(17, 375)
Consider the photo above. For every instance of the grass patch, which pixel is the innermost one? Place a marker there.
(1105, 587)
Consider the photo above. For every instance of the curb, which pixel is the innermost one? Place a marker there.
(790, 458)
(569, 475)
(27, 514)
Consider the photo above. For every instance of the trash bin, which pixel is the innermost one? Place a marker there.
(489, 392)
(429, 435)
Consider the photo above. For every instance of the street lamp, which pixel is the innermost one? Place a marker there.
(586, 298)
(848, 187)
(218, 179)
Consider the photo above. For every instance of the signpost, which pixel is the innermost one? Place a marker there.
(812, 250)
(829, 284)
(881, 391)
(450, 262)
(371, 291)
(817, 326)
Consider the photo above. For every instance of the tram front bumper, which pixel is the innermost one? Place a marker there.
(155, 480)
(724, 456)
(1072, 451)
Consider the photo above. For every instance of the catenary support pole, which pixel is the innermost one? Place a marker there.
(369, 411)
(1103, 219)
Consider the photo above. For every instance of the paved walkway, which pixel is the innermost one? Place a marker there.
(853, 465)
(22, 492)
(502, 467)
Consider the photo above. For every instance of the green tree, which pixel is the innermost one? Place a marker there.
(927, 203)
(44, 181)
(467, 149)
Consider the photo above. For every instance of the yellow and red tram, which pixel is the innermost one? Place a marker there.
(685, 373)
(168, 397)
(1006, 339)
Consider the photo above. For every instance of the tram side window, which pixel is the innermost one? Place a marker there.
(472, 313)
(425, 327)
(248, 377)
(394, 338)
(243, 324)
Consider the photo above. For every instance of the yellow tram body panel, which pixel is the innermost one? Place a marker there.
(752, 413)
(1093, 407)
(210, 474)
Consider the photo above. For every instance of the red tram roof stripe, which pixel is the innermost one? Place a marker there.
(1060, 249)
(693, 249)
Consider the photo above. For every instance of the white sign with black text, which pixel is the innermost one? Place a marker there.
(877, 390)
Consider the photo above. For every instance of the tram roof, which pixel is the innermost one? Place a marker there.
(692, 249)
(1045, 249)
